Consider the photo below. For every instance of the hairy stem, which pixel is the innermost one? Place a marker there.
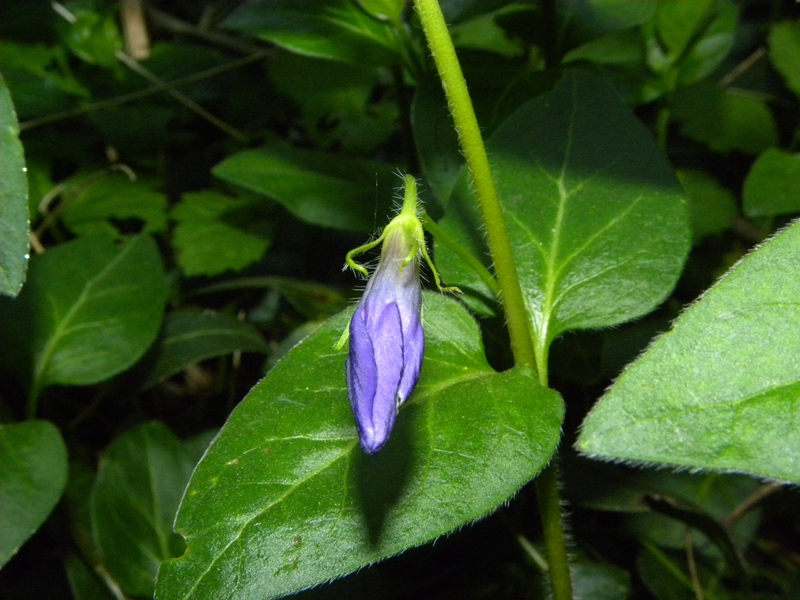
(469, 134)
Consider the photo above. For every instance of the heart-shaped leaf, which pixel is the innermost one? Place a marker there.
(285, 499)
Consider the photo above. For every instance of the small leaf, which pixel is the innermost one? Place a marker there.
(712, 206)
(134, 500)
(705, 393)
(83, 583)
(90, 203)
(723, 120)
(324, 189)
(707, 52)
(33, 473)
(190, 337)
(13, 200)
(597, 220)
(678, 21)
(385, 10)
(217, 233)
(334, 29)
(772, 186)
(784, 52)
(285, 499)
(89, 311)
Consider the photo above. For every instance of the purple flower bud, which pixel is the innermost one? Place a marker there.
(386, 339)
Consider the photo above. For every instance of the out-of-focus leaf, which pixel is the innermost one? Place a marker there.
(285, 486)
(134, 501)
(92, 37)
(13, 200)
(784, 52)
(190, 337)
(90, 309)
(704, 393)
(483, 33)
(83, 583)
(33, 472)
(712, 206)
(385, 10)
(706, 53)
(772, 186)
(217, 233)
(723, 120)
(597, 581)
(335, 29)
(677, 22)
(666, 575)
(596, 218)
(592, 19)
(617, 49)
(312, 300)
(330, 190)
(90, 204)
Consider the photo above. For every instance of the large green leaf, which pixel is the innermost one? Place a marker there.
(285, 499)
(13, 200)
(90, 310)
(336, 29)
(190, 337)
(33, 472)
(324, 189)
(721, 389)
(133, 505)
(596, 217)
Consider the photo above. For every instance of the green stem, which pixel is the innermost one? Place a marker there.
(469, 134)
(459, 250)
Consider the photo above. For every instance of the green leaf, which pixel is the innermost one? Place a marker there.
(334, 29)
(91, 202)
(89, 311)
(92, 37)
(772, 186)
(33, 473)
(13, 200)
(285, 499)
(723, 120)
(217, 233)
(190, 337)
(134, 500)
(385, 10)
(678, 21)
(712, 206)
(597, 220)
(83, 583)
(707, 52)
(330, 190)
(784, 52)
(704, 394)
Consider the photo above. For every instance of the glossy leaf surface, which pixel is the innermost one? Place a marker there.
(133, 505)
(597, 220)
(335, 29)
(324, 189)
(95, 308)
(33, 472)
(285, 499)
(13, 200)
(704, 394)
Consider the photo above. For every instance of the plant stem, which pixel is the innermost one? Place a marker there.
(469, 135)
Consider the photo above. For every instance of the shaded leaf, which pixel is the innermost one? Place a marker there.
(190, 337)
(704, 393)
(13, 200)
(33, 473)
(285, 499)
(784, 52)
(723, 120)
(772, 186)
(324, 189)
(133, 505)
(712, 206)
(89, 311)
(217, 233)
(83, 583)
(335, 29)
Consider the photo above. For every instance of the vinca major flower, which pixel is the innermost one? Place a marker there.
(387, 341)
